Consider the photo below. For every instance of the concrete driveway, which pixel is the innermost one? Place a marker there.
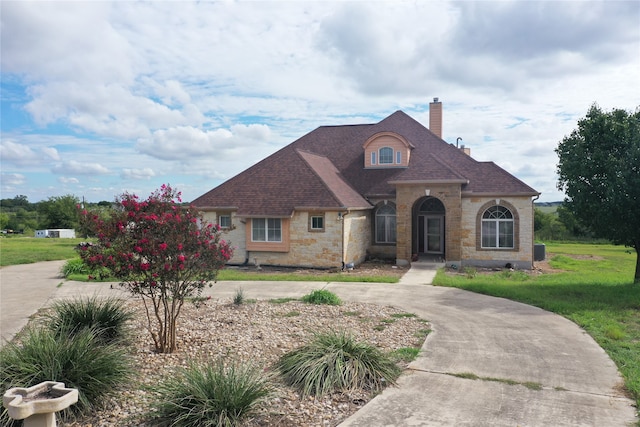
(533, 368)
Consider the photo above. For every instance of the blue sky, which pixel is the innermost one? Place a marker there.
(99, 98)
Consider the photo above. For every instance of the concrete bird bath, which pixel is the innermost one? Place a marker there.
(38, 405)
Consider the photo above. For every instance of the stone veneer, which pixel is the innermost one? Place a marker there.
(306, 248)
(519, 257)
(462, 247)
(406, 198)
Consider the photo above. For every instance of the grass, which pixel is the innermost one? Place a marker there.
(106, 316)
(80, 361)
(231, 274)
(471, 376)
(405, 354)
(239, 298)
(335, 361)
(27, 250)
(210, 395)
(322, 296)
(593, 287)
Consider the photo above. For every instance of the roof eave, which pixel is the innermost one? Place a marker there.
(500, 194)
(217, 208)
(430, 181)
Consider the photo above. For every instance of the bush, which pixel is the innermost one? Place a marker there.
(79, 361)
(238, 298)
(334, 361)
(322, 296)
(210, 395)
(106, 316)
(77, 267)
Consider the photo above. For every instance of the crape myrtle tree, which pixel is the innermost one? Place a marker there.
(161, 251)
(599, 171)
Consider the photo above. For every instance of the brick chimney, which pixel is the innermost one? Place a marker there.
(435, 117)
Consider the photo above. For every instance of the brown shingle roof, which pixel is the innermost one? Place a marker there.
(325, 169)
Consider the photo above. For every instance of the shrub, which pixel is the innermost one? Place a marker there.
(238, 298)
(210, 395)
(161, 251)
(322, 296)
(79, 361)
(78, 267)
(334, 361)
(107, 317)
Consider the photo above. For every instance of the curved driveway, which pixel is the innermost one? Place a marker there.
(532, 367)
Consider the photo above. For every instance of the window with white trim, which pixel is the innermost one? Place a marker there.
(266, 230)
(316, 223)
(386, 224)
(373, 157)
(386, 155)
(398, 157)
(497, 228)
(224, 221)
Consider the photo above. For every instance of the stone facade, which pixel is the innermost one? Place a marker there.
(320, 249)
(352, 238)
(407, 197)
(357, 236)
(521, 256)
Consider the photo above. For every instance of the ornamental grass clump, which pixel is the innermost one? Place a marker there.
(322, 296)
(106, 316)
(82, 360)
(210, 395)
(335, 361)
(161, 251)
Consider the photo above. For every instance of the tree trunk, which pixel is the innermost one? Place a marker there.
(636, 278)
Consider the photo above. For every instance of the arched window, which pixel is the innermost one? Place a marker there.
(386, 155)
(497, 228)
(386, 224)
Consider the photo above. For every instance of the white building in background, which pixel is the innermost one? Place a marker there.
(63, 233)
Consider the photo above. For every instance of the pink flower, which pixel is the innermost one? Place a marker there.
(145, 266)
(181, 258)
(162, 246)
(138, 249)
(179, 246)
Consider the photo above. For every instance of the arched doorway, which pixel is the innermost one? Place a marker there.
(429, 227)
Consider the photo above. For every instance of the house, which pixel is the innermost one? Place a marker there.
(64, 233)
(393, 189)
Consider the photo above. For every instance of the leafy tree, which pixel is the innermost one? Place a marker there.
(161, 252)
(4, 220)
(599, 171)
(571, 223)
(60, 211)
(548, 226)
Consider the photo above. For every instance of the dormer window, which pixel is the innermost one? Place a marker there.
(387, 149)
(386, 155)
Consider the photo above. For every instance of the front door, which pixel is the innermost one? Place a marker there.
(434, 234)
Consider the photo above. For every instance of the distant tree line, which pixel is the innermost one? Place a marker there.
(560, 224)
(18, 215)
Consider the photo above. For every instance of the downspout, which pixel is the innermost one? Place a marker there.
(341, 216)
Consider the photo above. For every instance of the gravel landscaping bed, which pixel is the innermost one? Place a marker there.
(258, 332)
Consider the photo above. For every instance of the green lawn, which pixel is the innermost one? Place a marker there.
(27, 250)
(594, 289)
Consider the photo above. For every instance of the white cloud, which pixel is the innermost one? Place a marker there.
(186, 142)
(79, 168)
(12, 179)
(23, 155)
(68, 180)
(144, 173)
